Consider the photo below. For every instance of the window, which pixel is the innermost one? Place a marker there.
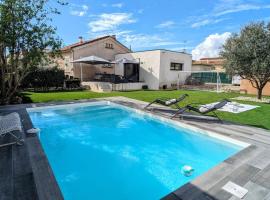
(177, 66)
(108, 46)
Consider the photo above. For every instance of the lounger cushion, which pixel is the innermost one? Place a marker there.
(10, 122)
(171, 101)
(203, 109)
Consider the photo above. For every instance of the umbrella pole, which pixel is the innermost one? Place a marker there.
(114, 78)
(81, 72)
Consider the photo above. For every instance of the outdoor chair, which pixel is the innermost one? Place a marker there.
(202, 110)
(168, 102)
(8, 124)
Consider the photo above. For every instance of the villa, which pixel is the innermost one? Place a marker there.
(121, 68)
(199, 66)
(217, 63)
(124, 148)
(104, 47)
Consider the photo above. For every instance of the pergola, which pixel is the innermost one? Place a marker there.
(95, 60)
(91, 60)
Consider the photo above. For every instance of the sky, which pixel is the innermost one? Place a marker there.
(198, 26)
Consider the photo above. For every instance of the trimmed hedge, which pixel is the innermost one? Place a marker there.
(44, 79)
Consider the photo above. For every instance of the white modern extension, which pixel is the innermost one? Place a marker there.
(104, 64)
(156, 68)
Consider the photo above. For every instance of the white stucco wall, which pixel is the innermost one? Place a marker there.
(155, 67)
(149, 66)
(167, 76)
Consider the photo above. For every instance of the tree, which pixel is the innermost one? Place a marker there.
(247, 54)
(26, 39)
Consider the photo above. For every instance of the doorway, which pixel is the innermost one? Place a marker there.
(131, 72)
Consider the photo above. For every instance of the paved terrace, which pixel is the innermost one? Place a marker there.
(25, 172)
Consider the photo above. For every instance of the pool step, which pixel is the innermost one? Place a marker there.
(98, 86)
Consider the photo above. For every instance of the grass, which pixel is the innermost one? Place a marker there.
(259, 117)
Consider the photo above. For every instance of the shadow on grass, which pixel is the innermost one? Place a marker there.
(26, 97)
(56, 91)
(127, 91)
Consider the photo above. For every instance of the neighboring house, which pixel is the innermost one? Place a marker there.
(154, 68)
(246, 86)
(216, 62)
(197, 66)
(158, 68)
(105, 47)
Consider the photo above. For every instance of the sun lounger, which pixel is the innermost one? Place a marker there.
(202, 110)
(8, 124)
(167, 101)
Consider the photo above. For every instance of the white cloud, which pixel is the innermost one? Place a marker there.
(166, 24)
(119, 33)
(79, 10)
(139, 41)
(118, 5)
(110, 21)
(211, 46)
(223, 8)
(205, 22)
(77, 13)
(112, 24)
(233, 6)
(85, 7)
(142, 41)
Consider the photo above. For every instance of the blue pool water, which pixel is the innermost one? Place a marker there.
(108, 152)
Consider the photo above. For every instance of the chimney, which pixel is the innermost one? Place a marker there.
(113, 36)
(81, 39)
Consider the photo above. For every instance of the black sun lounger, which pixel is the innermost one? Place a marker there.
(168, 102)
(202, 110)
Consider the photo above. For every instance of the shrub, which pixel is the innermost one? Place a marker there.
(44, 79)
(73, 83)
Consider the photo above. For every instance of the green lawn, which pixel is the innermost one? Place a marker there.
(259, 117)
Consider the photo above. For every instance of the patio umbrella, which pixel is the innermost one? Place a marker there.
(126, 61)
(94, 60)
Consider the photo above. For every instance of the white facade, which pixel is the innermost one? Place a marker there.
(155, 67)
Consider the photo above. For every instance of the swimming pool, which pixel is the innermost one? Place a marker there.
(107, 151)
